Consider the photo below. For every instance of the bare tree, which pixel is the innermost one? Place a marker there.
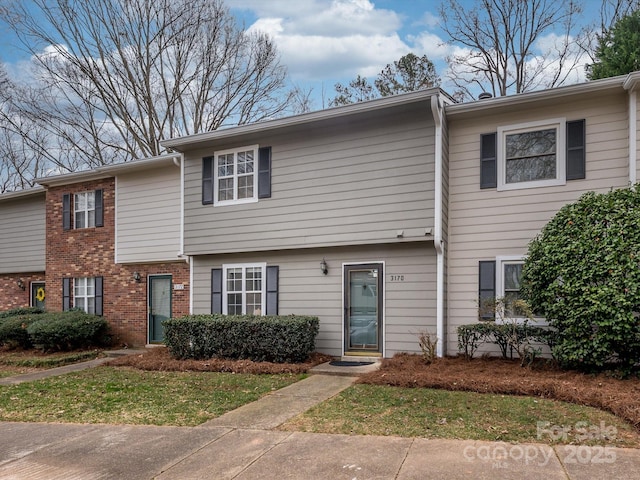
(499, 39)
(111, 78)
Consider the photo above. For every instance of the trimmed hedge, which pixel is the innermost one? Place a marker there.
(53, 331)
(21, 311)
(259, 338)
(13, 330)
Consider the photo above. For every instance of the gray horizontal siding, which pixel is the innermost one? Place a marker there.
(304, 290)
(354, 183)
(148, 215)
(22, 235)
(486, 223)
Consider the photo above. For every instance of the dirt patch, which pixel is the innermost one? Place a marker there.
(159, 359)
(493, 375)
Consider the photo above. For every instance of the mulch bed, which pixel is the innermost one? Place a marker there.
(496, 375)
(160, 360)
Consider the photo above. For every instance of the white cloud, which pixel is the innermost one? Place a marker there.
(322, 39)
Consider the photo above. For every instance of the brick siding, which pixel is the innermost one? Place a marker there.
(90, 252)
(12, 296)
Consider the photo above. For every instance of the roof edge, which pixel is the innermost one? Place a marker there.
(535, 96)
(329, 113)
(104, 171)
(26, 192)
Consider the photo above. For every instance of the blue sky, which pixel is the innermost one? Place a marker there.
(327, 41)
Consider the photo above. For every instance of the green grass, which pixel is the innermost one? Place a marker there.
(23, 359)
(428, 413)
(125, 396)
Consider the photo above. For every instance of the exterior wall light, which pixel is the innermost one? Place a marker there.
(323, 266)
(136, 277)
(21, 284)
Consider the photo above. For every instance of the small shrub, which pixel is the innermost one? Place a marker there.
(258, 338)
(470, 337)
(61, 331)
(13, 331)
(429, 345)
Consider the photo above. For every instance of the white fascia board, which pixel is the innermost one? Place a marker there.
(27, 192)
(106, 171)
(536, 96)
(191, 141)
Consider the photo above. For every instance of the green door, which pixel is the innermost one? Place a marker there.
(38, 294)
(159, 305)
(363, 308)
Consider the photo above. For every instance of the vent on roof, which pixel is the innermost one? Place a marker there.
(484, 96)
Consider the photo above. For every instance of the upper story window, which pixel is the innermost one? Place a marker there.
(84, 205)
(240, 175)
(535, 154)
(531, 155)
(83, 209)
(236, 172)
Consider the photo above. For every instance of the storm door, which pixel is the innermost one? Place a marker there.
(159, 305)
(363, 308)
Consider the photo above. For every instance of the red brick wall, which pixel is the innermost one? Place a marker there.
(90, 252)
(12, 296)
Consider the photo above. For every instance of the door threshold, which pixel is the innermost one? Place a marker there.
(361, 357)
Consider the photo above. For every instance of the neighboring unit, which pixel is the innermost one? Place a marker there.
(22, 248)
(514, 162)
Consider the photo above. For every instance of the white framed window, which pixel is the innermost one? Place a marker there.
(244, 289)
(532, 154)
(84, 294)
(236, 176)
(84, 207)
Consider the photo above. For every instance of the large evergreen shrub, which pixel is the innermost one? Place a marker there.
(582, 273)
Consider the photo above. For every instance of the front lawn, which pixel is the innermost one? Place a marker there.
(127, 396)
(429, 413)
(16, 362)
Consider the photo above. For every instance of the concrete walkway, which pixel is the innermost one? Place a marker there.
(245, 444)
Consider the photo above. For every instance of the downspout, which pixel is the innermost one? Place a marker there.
(633, 141)
(436, 109)
(178, 160)
(630, 84)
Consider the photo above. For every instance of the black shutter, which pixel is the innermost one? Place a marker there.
(272, 289)
(487, 289)
(264, 172)
(66, 211)
(576, 150)
(207, 180)
(98, 297)
(216, 290)
(66, 294)
(488, 155)
(99, 209)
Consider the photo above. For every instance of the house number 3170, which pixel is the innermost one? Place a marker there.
(397, 278)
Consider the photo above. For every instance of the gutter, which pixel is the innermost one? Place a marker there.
(192, 141)
(437, 110)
